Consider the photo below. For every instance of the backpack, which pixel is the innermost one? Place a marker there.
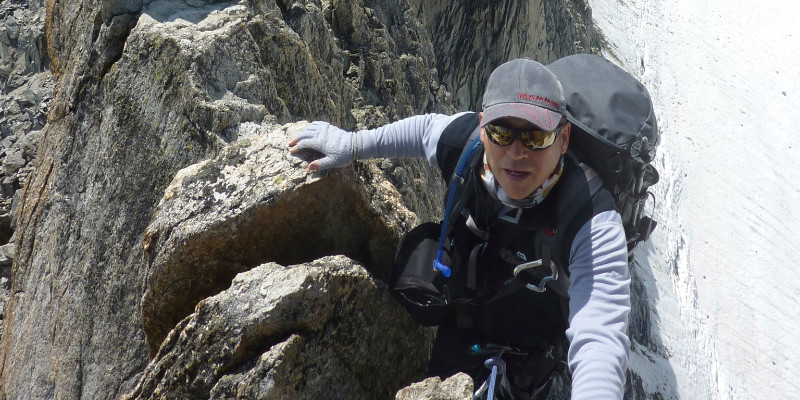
(614, 131)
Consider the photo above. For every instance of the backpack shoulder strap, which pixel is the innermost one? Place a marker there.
(580, 197)
(461, 174)
(455, 139)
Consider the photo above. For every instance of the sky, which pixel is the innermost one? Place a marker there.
(722, 267)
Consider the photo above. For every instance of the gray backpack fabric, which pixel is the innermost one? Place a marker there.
(614, 131)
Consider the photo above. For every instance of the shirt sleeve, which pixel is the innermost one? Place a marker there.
(413, 137)
(599, 306)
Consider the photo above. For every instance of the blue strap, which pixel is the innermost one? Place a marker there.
(458, 179)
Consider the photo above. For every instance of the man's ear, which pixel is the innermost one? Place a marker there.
(483, 133)
(565, 131)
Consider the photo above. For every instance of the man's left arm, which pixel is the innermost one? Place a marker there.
(599, 307)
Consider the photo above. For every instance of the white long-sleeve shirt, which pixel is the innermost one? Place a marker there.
(599, 289)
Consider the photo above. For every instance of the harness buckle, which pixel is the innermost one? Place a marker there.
(532, 285)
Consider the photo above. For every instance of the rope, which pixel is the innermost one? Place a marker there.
(496, 364)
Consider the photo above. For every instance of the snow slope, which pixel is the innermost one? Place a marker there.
(725, 282)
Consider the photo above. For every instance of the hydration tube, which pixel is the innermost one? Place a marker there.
(458, 179)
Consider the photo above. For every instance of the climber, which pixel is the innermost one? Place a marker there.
(515, 196)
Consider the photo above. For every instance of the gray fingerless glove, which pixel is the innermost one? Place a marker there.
(335, 147)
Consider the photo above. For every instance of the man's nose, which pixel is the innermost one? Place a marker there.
(516, 150)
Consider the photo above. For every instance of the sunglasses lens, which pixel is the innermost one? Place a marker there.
(500, 135)
(538, 139)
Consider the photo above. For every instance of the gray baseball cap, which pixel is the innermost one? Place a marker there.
(525, 89)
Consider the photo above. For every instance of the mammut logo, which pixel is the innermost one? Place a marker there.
(534, 97)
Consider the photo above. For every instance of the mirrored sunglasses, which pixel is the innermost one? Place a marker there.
(532, 139)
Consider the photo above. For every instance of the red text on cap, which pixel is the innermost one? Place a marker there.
(534, 97)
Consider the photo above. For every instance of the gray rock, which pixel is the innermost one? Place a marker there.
(456, 387)
(23, 113)
(141, 94)
(13, 162)
(256, 203)
(470, 39)
(22, 43)
(6, 253)
(311, 331)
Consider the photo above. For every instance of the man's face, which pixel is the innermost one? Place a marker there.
(519, 170)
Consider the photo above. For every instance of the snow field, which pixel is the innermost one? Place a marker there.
(725, 80)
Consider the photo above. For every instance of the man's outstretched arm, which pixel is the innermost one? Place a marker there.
(328, 147)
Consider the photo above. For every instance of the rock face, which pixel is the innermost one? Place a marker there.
(254, 203)
(27, 89)
(471, 38)
(144, 91)
(159, 100)
(25, 94)
(312, 331)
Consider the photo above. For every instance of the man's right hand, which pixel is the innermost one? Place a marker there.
(325, 145)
